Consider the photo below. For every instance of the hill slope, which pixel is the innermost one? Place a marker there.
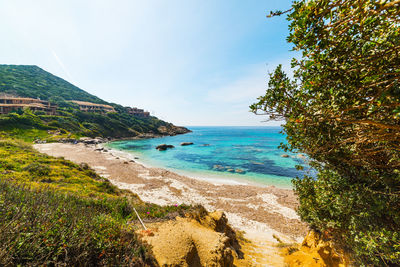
(32, 81)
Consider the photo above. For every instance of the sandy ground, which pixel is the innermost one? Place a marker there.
(259, 211)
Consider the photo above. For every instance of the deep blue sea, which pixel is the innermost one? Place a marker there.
(236, 154)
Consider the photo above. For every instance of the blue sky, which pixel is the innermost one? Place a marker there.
(190, 62)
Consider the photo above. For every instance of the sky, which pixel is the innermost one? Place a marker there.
(189, 62)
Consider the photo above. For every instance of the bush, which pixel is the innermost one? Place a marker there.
(342, 109)
(37, 169)
(45, 228)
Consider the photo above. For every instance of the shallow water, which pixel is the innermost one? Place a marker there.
(237, 154)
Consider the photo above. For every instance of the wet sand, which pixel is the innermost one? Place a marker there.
(259, 211)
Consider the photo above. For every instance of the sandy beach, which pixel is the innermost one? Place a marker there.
(259, 211)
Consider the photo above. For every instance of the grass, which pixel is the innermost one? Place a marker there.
(55, 212)
(27, 134)
(30, 133)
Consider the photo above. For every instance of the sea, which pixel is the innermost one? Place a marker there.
(226, 155)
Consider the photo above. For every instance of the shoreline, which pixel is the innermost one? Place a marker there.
(260, 211)
(203, 176)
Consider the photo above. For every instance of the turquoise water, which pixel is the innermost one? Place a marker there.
(247, 154)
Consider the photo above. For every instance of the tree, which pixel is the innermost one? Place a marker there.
(342, 108)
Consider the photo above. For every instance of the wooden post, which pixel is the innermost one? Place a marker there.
(137, 214)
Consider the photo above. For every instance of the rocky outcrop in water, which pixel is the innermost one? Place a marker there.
(172, 130)
(186, 143)
(228, 169)
(163, 147)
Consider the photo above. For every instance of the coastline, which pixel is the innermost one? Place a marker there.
(226, 179)
(260, 211)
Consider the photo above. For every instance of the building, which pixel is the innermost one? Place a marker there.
(137, 112)
(93, 107)
(13, 103)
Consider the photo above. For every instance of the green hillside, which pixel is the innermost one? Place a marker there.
(32, 81)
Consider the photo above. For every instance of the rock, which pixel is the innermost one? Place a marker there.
(99, 149)
(230, 170)
(90, 141)
(147, 136)
(301, 156)
(284, 155)
(68, 140)
(201, 239)
(125, 162)
(239, 171)
(100, 140)
(172, 130)
(105, 150)
(131, 160)
(136, 158)
(186, 143)
(316, 250)
(218, 167)
(163, 147)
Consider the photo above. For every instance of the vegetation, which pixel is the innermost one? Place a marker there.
(342, 108)
(45, 228)
(75, 123)
(53, 212)
(32, 81)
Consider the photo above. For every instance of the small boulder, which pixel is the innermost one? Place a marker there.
(186, 143)
(218, 167)
(284, 155)
(163, 147)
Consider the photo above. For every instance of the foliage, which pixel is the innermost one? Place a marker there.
(55, 212)
(39, 227)
(32, 81)
(342, 108)
(23, 165)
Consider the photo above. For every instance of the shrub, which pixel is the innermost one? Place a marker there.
(37, 169)
(342, 108)
(44, 228)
